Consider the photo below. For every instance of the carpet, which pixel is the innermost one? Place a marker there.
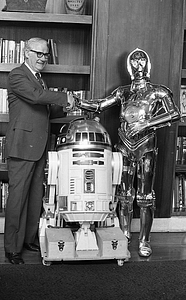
(103, 280)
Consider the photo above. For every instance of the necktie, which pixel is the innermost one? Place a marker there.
(38, 76)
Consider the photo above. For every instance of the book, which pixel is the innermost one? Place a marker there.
(1, 47)
(17, 53)
(56, 53)
(179, 198)
(0, 195)
(53, 52)
(181, 150)
(11, 51)
(183, 102)
(183, 156)
(1, 100)
(4, 194)
(5, 109)
(2, 149)
(5, 51)
(175, 204)
(22, 58)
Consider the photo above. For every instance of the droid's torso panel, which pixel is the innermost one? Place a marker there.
(139, 106)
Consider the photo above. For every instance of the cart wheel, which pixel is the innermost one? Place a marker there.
(120, 262)
(46, 263)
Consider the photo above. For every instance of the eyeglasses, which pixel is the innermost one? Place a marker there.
(41, 54)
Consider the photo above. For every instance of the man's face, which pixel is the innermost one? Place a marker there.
(33, 58)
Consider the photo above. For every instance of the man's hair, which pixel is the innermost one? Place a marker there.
(29, 43)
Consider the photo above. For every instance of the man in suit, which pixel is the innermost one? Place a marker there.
(27, 137)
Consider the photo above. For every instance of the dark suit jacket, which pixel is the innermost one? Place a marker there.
(27, 132)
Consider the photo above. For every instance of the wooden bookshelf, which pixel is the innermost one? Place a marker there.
(4, 118)
(75, 38)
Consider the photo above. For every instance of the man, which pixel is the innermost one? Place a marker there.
(145, 107)
(27, 137)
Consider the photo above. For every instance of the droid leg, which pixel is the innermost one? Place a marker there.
(125, 214)
(146, 201)
(146, 220)
(125, 196)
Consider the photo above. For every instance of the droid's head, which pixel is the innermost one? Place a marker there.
(83, 134)
(138, 64)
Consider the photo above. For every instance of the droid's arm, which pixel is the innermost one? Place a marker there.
(163, 112)
(99, 105)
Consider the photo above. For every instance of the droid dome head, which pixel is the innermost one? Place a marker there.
(138, 64)
(83, 134)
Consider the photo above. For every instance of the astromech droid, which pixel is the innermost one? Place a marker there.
(79, 221)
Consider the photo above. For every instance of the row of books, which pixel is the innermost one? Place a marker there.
(3, 101)
(3, 195)
(2, 149)
(181, 150)
(13, 52)
(179, 195)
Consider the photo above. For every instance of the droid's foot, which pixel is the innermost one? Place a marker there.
(128, 236)
(144, 249)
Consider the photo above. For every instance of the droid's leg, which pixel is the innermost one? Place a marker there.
(146, 200)
(125, 214)
(125, 196)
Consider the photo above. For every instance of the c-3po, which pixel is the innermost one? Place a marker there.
(145, 107)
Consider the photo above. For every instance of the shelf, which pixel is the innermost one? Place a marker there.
(182, 124)
(2, 213)
(66, 119)
(45, 17)
(3, 167)
(183, 73)
(179, 213)
(58, 69)
(4, 118)
(180, 168)
(3, 172)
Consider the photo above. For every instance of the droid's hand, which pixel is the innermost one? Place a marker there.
(135, 128)
(119, 94)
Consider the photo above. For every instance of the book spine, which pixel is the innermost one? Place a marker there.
(11, 51)
(1, 48)
(22, 45)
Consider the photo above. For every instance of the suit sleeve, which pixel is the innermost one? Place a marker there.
(30, 90)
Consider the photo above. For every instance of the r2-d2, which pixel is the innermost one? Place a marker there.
(79, 220)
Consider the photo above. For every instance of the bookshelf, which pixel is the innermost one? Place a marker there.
(74, 36)
(179, 193)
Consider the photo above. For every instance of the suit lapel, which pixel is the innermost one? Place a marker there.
(31, 76)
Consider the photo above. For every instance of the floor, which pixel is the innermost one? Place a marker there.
(166, 246)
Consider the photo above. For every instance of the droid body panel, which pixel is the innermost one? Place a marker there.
(82, 177)
(145, 107)
(85, 158)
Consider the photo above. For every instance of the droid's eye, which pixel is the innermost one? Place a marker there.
(69, 135)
